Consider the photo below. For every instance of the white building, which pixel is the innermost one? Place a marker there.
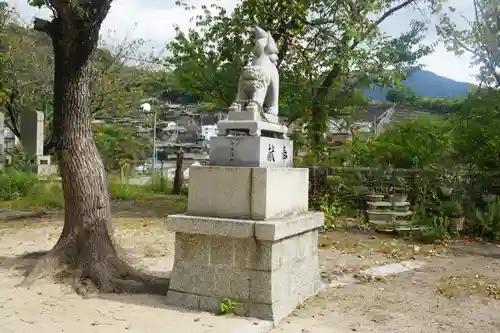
(209, 131)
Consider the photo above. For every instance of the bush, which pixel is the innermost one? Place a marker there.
(25, 190)
(487, 222)
(120, 191)
(15, 184)
(46, 194)
(452, 209)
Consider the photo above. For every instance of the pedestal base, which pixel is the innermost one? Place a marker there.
(251, 151)
(247, 193)
(267, 268)
(252, 122)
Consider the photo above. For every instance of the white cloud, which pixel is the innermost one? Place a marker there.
(153, 20)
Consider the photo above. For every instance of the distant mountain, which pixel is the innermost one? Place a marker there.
(426, 84)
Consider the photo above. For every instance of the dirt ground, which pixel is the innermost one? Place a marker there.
(452, 293)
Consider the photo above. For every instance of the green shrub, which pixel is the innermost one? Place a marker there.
(161, 185)
(122, 191)
(488, 221)
(452, 208)
(15, 184)
(119, 191)
(19, 190)
(46, 194)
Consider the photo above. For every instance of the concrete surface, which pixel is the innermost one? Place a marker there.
(247, 193)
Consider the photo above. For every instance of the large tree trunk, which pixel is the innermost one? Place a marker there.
(85, 245)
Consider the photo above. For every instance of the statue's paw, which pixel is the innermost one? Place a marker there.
(235, 107)
(273, 110)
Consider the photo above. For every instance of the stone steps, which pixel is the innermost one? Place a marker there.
(385, 215)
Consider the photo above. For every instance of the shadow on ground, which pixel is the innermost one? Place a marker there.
(483, 250)
(155, 283)
(22, 263)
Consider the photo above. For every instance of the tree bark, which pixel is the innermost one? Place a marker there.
(85, 246)
(179, 175)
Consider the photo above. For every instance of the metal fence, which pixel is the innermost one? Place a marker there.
(429, 193)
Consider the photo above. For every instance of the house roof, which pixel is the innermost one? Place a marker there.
(372, 112)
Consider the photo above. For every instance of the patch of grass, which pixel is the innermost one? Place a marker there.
(227, 306)
(462, 286)
(151, 206)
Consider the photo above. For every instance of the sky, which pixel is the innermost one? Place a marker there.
(153, 21)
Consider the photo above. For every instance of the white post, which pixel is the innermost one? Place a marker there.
(146, 108)
(154, 145)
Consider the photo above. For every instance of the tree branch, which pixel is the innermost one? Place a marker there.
(43, 26)
(11, 109)
(336, 69)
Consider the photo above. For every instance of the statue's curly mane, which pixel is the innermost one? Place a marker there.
(253, 75)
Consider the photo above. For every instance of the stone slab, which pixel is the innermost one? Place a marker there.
(247, 193)
(249, 115)
(253, 127)
(211, 226)
(32, 132)
(392, 269)
(251, 151)
(288, 226)
(270, 230)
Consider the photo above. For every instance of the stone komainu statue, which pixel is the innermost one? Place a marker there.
(258, 85)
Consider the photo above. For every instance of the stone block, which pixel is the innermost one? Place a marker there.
(193, 249)
(232, 283)
(306, 244)
(274, 312)
(251, 151)
(185, 300)
(303, 273)
(279, 192)
(209, 304)
(220, 192)
(32, 132)
(245, 253)
(247, 193)
(289, 249)
(256, 116)
(250, 127)
(222, 251)
(270, 286)
(288, 226)
(210, 226)
(199, 280)
(268, 255)
(267, 278)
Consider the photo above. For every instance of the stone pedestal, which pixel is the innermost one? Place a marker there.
(32, 132)
(251, 151)
(247, 236)
(253, 123)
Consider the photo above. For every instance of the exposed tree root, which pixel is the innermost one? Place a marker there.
(89, 261)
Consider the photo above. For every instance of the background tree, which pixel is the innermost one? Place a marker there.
(421, 143)
(29, 69)
(119, 146)
(401, 95)
(327, 49)
(85, 245)
(481, 38)
(476, 139)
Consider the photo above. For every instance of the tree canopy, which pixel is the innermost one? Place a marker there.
(27, 69)
(327, 49)
(480, 38)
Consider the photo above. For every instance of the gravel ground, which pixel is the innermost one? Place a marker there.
(452, 293)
